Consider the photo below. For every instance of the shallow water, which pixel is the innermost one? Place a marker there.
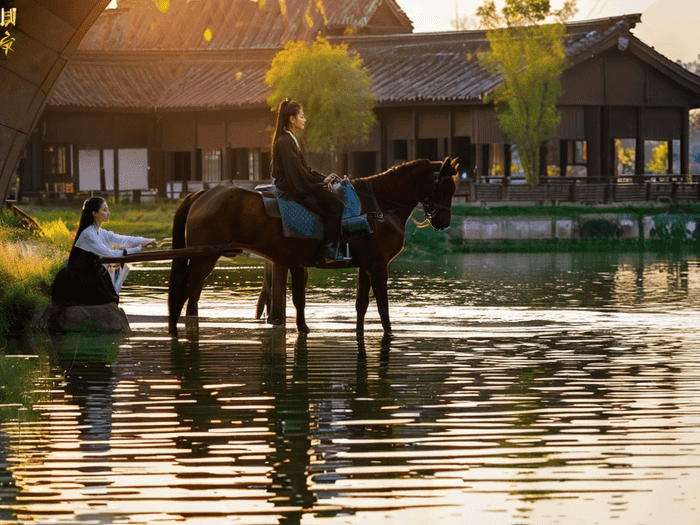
(519, 389)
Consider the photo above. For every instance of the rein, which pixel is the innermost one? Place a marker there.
(429, 207)
(421, 225)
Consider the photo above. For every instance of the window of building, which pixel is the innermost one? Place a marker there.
(577, 158)
(428, 149)
(400, 150)
(57, 159)
(365, 163)
(211, 165)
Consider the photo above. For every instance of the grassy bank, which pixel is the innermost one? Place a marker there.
(28, 265)
(147, 219)
(29, 261)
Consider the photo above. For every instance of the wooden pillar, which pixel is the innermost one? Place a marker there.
(103, 181)
(75, 176)
(669, 167)
(383, 141)
(451, 136)
(543, 162)
(116, 175)
(414, 153)
(226, 170)
(684, 151)
(607, 147)
(563, 156)
(639, 164)
(484, 162)
(592, 128)
(507, 161)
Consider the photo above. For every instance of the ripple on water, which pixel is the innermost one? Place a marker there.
(486, 412)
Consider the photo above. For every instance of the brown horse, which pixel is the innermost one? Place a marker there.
(236, 217)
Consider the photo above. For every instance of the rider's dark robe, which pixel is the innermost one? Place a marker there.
(296, 181)
(83, 281)
(293, 177)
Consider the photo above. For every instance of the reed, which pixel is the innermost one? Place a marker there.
(28, 265)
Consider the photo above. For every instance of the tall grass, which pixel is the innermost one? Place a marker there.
(28, 264)
(153, 220)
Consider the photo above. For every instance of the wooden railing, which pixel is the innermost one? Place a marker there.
(638, 188)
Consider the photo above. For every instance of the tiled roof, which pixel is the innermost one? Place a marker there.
(233, 24)
(406, 68)
(176, 83)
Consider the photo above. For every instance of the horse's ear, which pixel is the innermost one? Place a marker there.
(449, 167)
(446, 166)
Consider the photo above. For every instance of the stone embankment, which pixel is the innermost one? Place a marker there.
(582, 227)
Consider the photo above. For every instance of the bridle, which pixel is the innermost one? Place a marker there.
(431, 203)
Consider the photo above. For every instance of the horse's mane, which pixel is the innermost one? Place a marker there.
(387, 179)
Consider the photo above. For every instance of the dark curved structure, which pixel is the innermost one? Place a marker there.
(46, 35)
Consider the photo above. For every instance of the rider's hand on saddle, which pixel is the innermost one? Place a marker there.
(332, 178)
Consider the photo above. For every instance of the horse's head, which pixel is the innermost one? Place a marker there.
(437, 206)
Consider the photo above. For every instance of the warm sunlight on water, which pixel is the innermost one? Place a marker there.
(519, 389)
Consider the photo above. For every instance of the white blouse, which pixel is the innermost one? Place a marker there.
(105, 243)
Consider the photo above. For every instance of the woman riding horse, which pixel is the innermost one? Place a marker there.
(295, 180)
(237, 218)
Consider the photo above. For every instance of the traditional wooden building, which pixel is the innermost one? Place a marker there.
(155, 100)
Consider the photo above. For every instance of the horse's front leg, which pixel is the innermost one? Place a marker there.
(362, 302)
(300, 276)
(380, 277)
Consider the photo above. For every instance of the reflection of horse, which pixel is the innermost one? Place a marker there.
(237, 217)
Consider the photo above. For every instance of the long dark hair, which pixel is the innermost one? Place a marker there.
(93, 204)
(285, 111)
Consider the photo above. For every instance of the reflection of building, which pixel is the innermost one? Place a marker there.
(180, 96)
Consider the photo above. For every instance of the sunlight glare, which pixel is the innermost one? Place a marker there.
(283, 8)
(162, 5)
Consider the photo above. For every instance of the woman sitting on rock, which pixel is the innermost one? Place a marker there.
(84, 281)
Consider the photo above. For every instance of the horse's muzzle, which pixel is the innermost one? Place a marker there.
(441, 221)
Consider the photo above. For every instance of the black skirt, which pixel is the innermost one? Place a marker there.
(84, 281)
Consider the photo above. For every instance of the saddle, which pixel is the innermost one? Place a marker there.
(298, 221)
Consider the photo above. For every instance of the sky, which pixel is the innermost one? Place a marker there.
(670, 25)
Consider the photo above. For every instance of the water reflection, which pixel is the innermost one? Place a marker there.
(495, 409)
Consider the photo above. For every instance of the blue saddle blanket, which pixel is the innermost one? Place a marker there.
(298, 221)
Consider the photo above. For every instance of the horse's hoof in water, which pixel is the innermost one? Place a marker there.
(303, 328)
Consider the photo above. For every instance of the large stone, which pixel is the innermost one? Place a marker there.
(100, 318)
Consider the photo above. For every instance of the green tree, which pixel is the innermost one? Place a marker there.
(333, 87)
(527, 54)
(659, 159)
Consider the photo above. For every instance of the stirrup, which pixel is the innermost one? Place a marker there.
(333, 252)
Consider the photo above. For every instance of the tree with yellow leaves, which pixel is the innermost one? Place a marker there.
(528, 55)
(334, 88)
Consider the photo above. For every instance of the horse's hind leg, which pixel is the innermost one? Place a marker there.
(177, 293)
(380, 276)
(300, 276)
(200, 268)
(362, 302)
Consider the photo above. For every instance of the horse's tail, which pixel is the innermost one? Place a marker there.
(179, 271)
